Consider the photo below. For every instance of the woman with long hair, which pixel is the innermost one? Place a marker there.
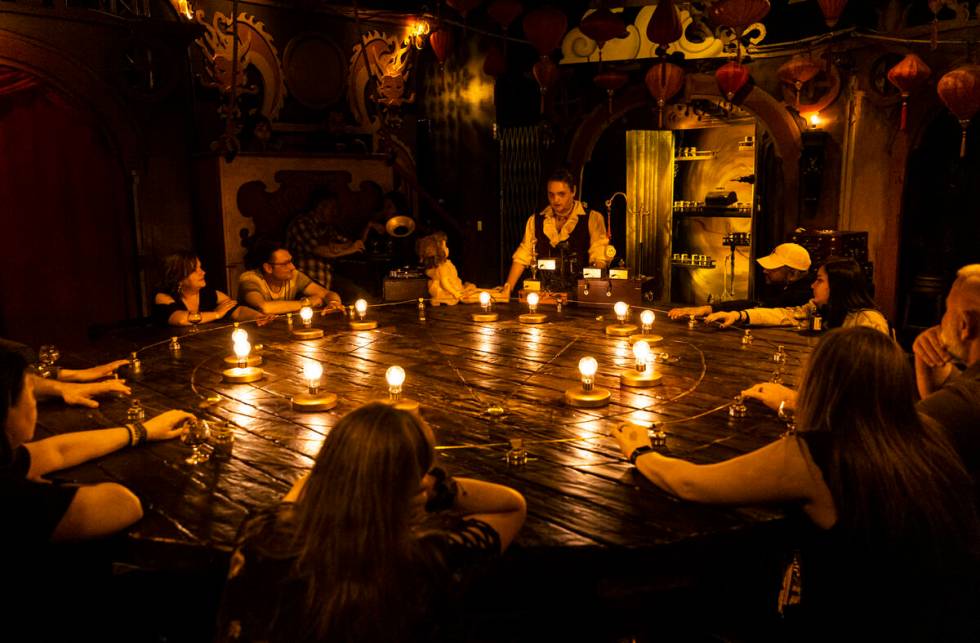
(840, 297)
(185, 292)
(888, 503)
(350, 554)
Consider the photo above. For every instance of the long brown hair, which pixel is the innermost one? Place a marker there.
(176, 268)
(895, 479)
(354, 525)
(430, 250)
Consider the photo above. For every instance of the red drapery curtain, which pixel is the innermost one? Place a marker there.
(68, 251)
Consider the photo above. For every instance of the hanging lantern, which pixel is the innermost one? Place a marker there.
(442, 42)
(665, 24)
(960, 92)
(463, 6)
(732, 77)
(602, 25)
(907, 75)
(798, 70)
(831, 10)
(663, 81)
(546, 73)
(495, 64)
(738, 14)
(505, 12)
(545, 27)
(611, 80)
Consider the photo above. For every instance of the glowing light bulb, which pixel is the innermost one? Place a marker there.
(621, 308)
(239, 335)
(306, 314)
(485, 300)
(646, 319)
(313, 371)
(532, 301)
(242, 349)
(395, 375)
(361, 307)
(587, 366)
(815, 120)
(641, 352)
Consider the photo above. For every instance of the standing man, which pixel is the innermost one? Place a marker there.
(274, 285)
(565, 219)
(788, 282)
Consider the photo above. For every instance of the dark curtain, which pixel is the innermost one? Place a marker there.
(68, 246)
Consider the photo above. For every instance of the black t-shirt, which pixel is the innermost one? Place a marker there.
(207, 302)
(31, 509)
(956, 406)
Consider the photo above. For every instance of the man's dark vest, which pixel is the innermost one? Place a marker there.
(578, 241)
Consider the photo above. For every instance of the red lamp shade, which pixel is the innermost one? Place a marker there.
(495, 64)
(546, 73)
(611, 81)
(665, 24)
(505, 12)
(738, 14)
(442, 42)
(663, 81)
(545, 27)
(831, 10)
(602, 25)
(907, 75)
(798, 70)
(960, 92)
(463, 6)
(731, 77)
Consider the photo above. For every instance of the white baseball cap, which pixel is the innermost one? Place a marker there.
(791, 255)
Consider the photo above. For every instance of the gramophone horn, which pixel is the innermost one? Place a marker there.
(400, 226)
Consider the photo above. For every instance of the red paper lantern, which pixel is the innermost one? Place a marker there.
(441, 41)
(545, 27)
(738, 14)
(505, 12)
(798, 70)
(546, 73)
(907, 75)
(494, 64)
(960, 92)
(665, 24)
(731, 77)
(831, 10)
(663, 81)
(602, 25)
(611, 80)
(463, 6)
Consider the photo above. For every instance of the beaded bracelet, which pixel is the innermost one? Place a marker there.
(141, 434)
(132, 434)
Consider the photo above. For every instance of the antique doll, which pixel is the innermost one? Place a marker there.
(445, 286)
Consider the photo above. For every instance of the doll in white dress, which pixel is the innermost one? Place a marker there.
(445, 286)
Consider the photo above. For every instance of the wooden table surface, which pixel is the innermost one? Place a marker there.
(580, 492)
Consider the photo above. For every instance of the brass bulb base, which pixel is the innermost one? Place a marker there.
(495, 410)
(242, 375)
(533, 318)
(307, 333)
(485, 317)
(309, 402)
(637, 379)
(620, 330)
(251, 360)
(403, 404)
(587, 399)
(363, 325)
(653, 340)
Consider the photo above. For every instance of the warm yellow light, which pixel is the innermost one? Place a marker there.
(646, 318)
(621, 308)
(415, 35)
(532, 301)
(395, 375)
(587, 366)
(641, 352)
(484, 299)
(361, 307)
(239, 335)
(312, 370)
(306, 313)
(242, 349)
(815, 120)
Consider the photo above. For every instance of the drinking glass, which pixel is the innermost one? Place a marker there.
(194, 318)
(196, 437)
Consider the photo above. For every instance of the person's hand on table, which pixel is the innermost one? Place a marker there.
(167, 425)
(697, 311)
(723, 319)
(630, 437)
(222, 309)
(265, 320)
(333, 305)
(772, 395)
(502, 293)
(94, 373)
(82, 394)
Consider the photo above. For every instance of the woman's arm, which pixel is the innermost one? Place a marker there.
(500, 507)
(98, 510)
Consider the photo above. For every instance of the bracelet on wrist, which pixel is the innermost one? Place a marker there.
(638, 451)
(132, 434)
(141, 433)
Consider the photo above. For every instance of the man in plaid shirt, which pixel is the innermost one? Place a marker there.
(314, 240)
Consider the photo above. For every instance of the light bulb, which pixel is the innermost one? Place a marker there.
(361, 307)
(587, 366)
(532, 301)
(815, 120)
(242, 349)
(239, 335)
(395, 375)
(621, 308)
(641, 352)
(485, 300)
(306, 314)
(646, 318)
(313, 371)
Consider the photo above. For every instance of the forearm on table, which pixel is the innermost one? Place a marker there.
(44, 387)
(516, 270)
(69, 449)
(182, 318)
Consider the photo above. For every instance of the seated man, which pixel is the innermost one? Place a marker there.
(949, 395)
(274, 286)
(565, 219)
(788, 283)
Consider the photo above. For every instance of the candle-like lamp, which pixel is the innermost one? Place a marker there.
(485, 314)
(314, 399)
(642, 375)
(395, 376)
(646, 327)
(307, 331)
(238, 336)
(623, 328)
(588, 395)
(360, 323)
(242, 373)
(532, 316)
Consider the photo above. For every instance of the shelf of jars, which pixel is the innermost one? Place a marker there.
(700, 209)
(692, 261)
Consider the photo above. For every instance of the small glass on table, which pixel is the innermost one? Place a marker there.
(196, 437)
(194, 318)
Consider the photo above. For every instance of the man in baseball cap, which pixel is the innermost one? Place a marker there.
(787, 279)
